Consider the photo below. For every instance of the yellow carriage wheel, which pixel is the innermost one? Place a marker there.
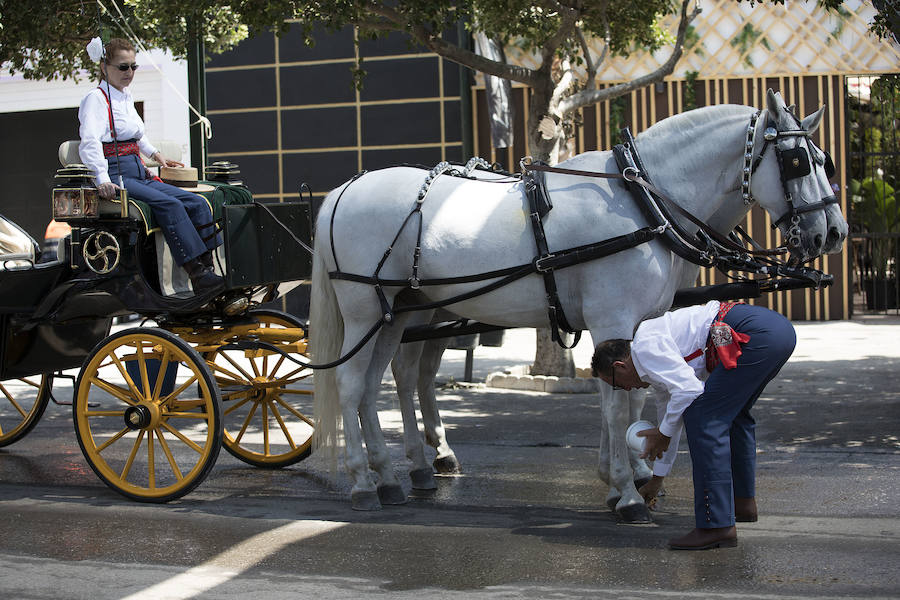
(147, 415)
(266, 397)
(22, 402)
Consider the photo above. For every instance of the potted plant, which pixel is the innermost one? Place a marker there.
(876, 209)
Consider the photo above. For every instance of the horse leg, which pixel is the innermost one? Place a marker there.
(429, 362)
(389, 489)
(351, 384)
(613, 495)
(405, 367)
(630, 507)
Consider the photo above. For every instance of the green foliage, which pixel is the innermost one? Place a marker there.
(48, 40)
(744, 41)
(875, 152)
(690, 90)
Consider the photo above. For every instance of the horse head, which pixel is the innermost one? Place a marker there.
(791, 182)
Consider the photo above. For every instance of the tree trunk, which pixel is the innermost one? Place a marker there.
(550, 358)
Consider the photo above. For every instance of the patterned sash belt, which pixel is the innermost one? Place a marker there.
(124, 148)
(723, 344)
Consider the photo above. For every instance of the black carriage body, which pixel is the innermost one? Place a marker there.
(30, 346)
(261, 246)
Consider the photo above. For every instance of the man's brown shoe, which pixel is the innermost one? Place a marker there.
(704, 539)
(745, 510)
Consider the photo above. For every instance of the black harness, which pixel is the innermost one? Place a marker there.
(793, 163)
(706, 247)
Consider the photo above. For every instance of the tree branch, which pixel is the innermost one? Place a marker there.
(466, 58)
(588, 97)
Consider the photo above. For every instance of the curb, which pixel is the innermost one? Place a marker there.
(583, 384)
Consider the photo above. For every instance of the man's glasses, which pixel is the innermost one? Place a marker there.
(613, 380)
(125, 67)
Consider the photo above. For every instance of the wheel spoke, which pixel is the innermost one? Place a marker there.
(185, 415)
(181, 388)
(142, 366)
(232, 396)
(31, 383)
(112, 440)
(265, 427)
(187, 441)
(297, 392)
(283, 426)
(13, 402)
(231, 409)
(276, 367)
(247, 376)
(125, 375)
(243, 430)
(134, 451)
(104, 413)
(295, 412)
(169, 455)
(115, 391)
(217, 368)
(253, 366)
(160, 375)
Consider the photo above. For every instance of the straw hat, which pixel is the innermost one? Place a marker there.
(183, 177)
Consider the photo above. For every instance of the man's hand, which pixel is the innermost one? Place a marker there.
(656, 444)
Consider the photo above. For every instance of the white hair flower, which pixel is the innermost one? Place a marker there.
(95, 49)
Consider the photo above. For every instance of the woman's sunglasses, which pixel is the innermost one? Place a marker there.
(125, 67)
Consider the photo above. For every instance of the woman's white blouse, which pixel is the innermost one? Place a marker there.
(93, 114)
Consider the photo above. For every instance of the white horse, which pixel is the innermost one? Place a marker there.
(471, 227)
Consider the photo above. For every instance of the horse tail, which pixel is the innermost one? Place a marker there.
(326, 337)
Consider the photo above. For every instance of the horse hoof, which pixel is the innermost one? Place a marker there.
(611, 502)
(391, 494)
(364, 501)
(447, 465)
(635, 514)
(639, 483)
(423, 479)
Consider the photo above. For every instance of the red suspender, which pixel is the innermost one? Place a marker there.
(112, 126)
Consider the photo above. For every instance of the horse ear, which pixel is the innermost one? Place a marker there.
(811, 122)
(793, 109)
(774, 104)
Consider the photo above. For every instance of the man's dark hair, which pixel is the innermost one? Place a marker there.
(608, 352)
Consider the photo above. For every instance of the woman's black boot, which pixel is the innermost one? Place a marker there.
(203, 279)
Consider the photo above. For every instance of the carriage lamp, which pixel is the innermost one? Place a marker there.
(76, 197)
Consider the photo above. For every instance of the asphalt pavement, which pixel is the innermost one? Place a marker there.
(525, 520)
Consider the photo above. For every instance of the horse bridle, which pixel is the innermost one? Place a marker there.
(793, 163)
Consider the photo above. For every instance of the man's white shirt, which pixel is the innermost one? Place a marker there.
(658, 351)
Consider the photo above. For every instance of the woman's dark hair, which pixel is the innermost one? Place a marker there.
(113, 46)
(608, 352)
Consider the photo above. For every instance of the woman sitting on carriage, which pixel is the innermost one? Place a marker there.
(112, 135)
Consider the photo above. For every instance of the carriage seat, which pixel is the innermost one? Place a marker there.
(18, 250)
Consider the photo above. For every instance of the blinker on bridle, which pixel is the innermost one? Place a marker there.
(793, 163)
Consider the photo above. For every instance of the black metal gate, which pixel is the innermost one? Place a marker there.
(873, 112)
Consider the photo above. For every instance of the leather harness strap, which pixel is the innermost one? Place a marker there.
(536, 192)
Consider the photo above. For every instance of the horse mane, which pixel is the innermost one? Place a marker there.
(692, 121)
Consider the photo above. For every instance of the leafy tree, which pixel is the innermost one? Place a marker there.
(46, 39)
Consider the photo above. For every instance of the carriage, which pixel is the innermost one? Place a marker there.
(152, 405)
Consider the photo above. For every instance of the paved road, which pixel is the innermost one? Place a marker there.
(525, 521)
